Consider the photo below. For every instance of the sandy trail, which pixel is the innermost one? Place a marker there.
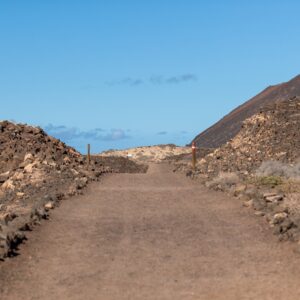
(153, 236)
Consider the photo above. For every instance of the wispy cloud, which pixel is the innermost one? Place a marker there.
(162, 133)
(69, 134)
(181, 79)
(115, 135)
(126, 81)
(155, 80)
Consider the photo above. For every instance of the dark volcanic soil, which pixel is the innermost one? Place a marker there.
(153, 236)
(230, 125)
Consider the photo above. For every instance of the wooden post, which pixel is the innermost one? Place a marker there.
(89, 154)
(194, 156)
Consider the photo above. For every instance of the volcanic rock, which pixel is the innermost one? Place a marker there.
(272, 134)
(228, 127)
(37, 170)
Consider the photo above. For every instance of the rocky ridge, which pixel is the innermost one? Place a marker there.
(261, 167)
(36, 172)
(272, 134)
(227, 128)
(148, 154)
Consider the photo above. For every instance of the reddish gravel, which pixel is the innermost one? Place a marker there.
(153, 236)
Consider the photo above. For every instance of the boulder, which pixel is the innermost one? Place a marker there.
(274, 198)
(8, 185)
(28, 157)
(29, 168)
(49, 205)
(4, 176)
(239, 188)
(279, 218)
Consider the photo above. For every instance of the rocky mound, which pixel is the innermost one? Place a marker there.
(261, 167)
(230, 125)
(120, 164)
(148, 154)
(36, 172)
(272, 134)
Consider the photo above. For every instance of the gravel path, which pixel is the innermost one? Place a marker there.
(153, 236)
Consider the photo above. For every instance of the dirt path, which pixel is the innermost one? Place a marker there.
(153, 236)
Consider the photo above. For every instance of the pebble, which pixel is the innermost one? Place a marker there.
(49, 205)
(259, 213)
(248, 203)
(279, 218)
(274, 198)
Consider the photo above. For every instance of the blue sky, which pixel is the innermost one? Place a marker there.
(123, 73)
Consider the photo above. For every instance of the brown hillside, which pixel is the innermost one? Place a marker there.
(36, 172)
(230, 125)
(272, 134)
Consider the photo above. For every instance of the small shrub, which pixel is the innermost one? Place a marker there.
(278, 169)
(269, 180)
(223, 181)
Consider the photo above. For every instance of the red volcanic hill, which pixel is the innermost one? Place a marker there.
(230, 125)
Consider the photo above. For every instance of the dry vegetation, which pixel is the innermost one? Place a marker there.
(279, 169)
(261, 166)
